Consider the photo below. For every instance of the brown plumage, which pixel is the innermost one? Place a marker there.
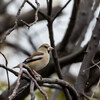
(40, 59)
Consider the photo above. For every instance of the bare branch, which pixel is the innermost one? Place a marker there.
(37, 85)
(32, 90)
(42, 14)
(59, 12)
(90, 18)
(71, 25)
(55, 56)
(46, 80)
(36, 16)
(82, 18)
(49, 7)
(8, 20)
(61, 83)
(94, 64)
(17, 83)
(88, 58)
(10, 70)
(16, 22)
(52, 86)
(6, 69)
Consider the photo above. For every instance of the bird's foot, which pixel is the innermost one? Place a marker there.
(38, 77)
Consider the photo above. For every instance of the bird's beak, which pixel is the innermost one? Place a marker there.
(50, 48)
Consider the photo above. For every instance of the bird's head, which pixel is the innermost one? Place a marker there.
(45, 47)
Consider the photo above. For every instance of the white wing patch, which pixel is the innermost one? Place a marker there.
(37, 57)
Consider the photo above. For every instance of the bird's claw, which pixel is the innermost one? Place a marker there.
(38, 77)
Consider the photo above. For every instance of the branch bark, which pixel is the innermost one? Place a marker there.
(88, 58)
(82, 18)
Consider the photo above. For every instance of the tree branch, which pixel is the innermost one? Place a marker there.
(16, 23)
(71, 25)
(59, 12)
(88, 58)
(6, 64)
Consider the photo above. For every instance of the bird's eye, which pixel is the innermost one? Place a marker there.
(46, 47)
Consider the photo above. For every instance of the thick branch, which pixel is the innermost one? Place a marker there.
(82, 18)
(90, 18)
(88, 58)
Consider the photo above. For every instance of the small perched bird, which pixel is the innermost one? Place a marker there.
(38, 60)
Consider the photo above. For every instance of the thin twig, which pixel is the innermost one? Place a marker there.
(10, 70)
(32, 90)
(96, 64)
(17, 83)
(36, 16)
(52, 86)
(29, 70)
(60, 10)
(42, 14)
(6, 69)
(36, 13)
(22, 89)
(16, 22)
(37, 85)
(44, 80)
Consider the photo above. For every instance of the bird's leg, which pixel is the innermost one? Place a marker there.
(36, 74)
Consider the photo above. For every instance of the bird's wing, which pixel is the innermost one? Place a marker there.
(35, 57)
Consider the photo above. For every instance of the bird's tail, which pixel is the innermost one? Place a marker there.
(16, 66)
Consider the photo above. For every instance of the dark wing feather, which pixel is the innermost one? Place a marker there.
(36, 56)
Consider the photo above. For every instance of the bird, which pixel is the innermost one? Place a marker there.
(39, 59)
